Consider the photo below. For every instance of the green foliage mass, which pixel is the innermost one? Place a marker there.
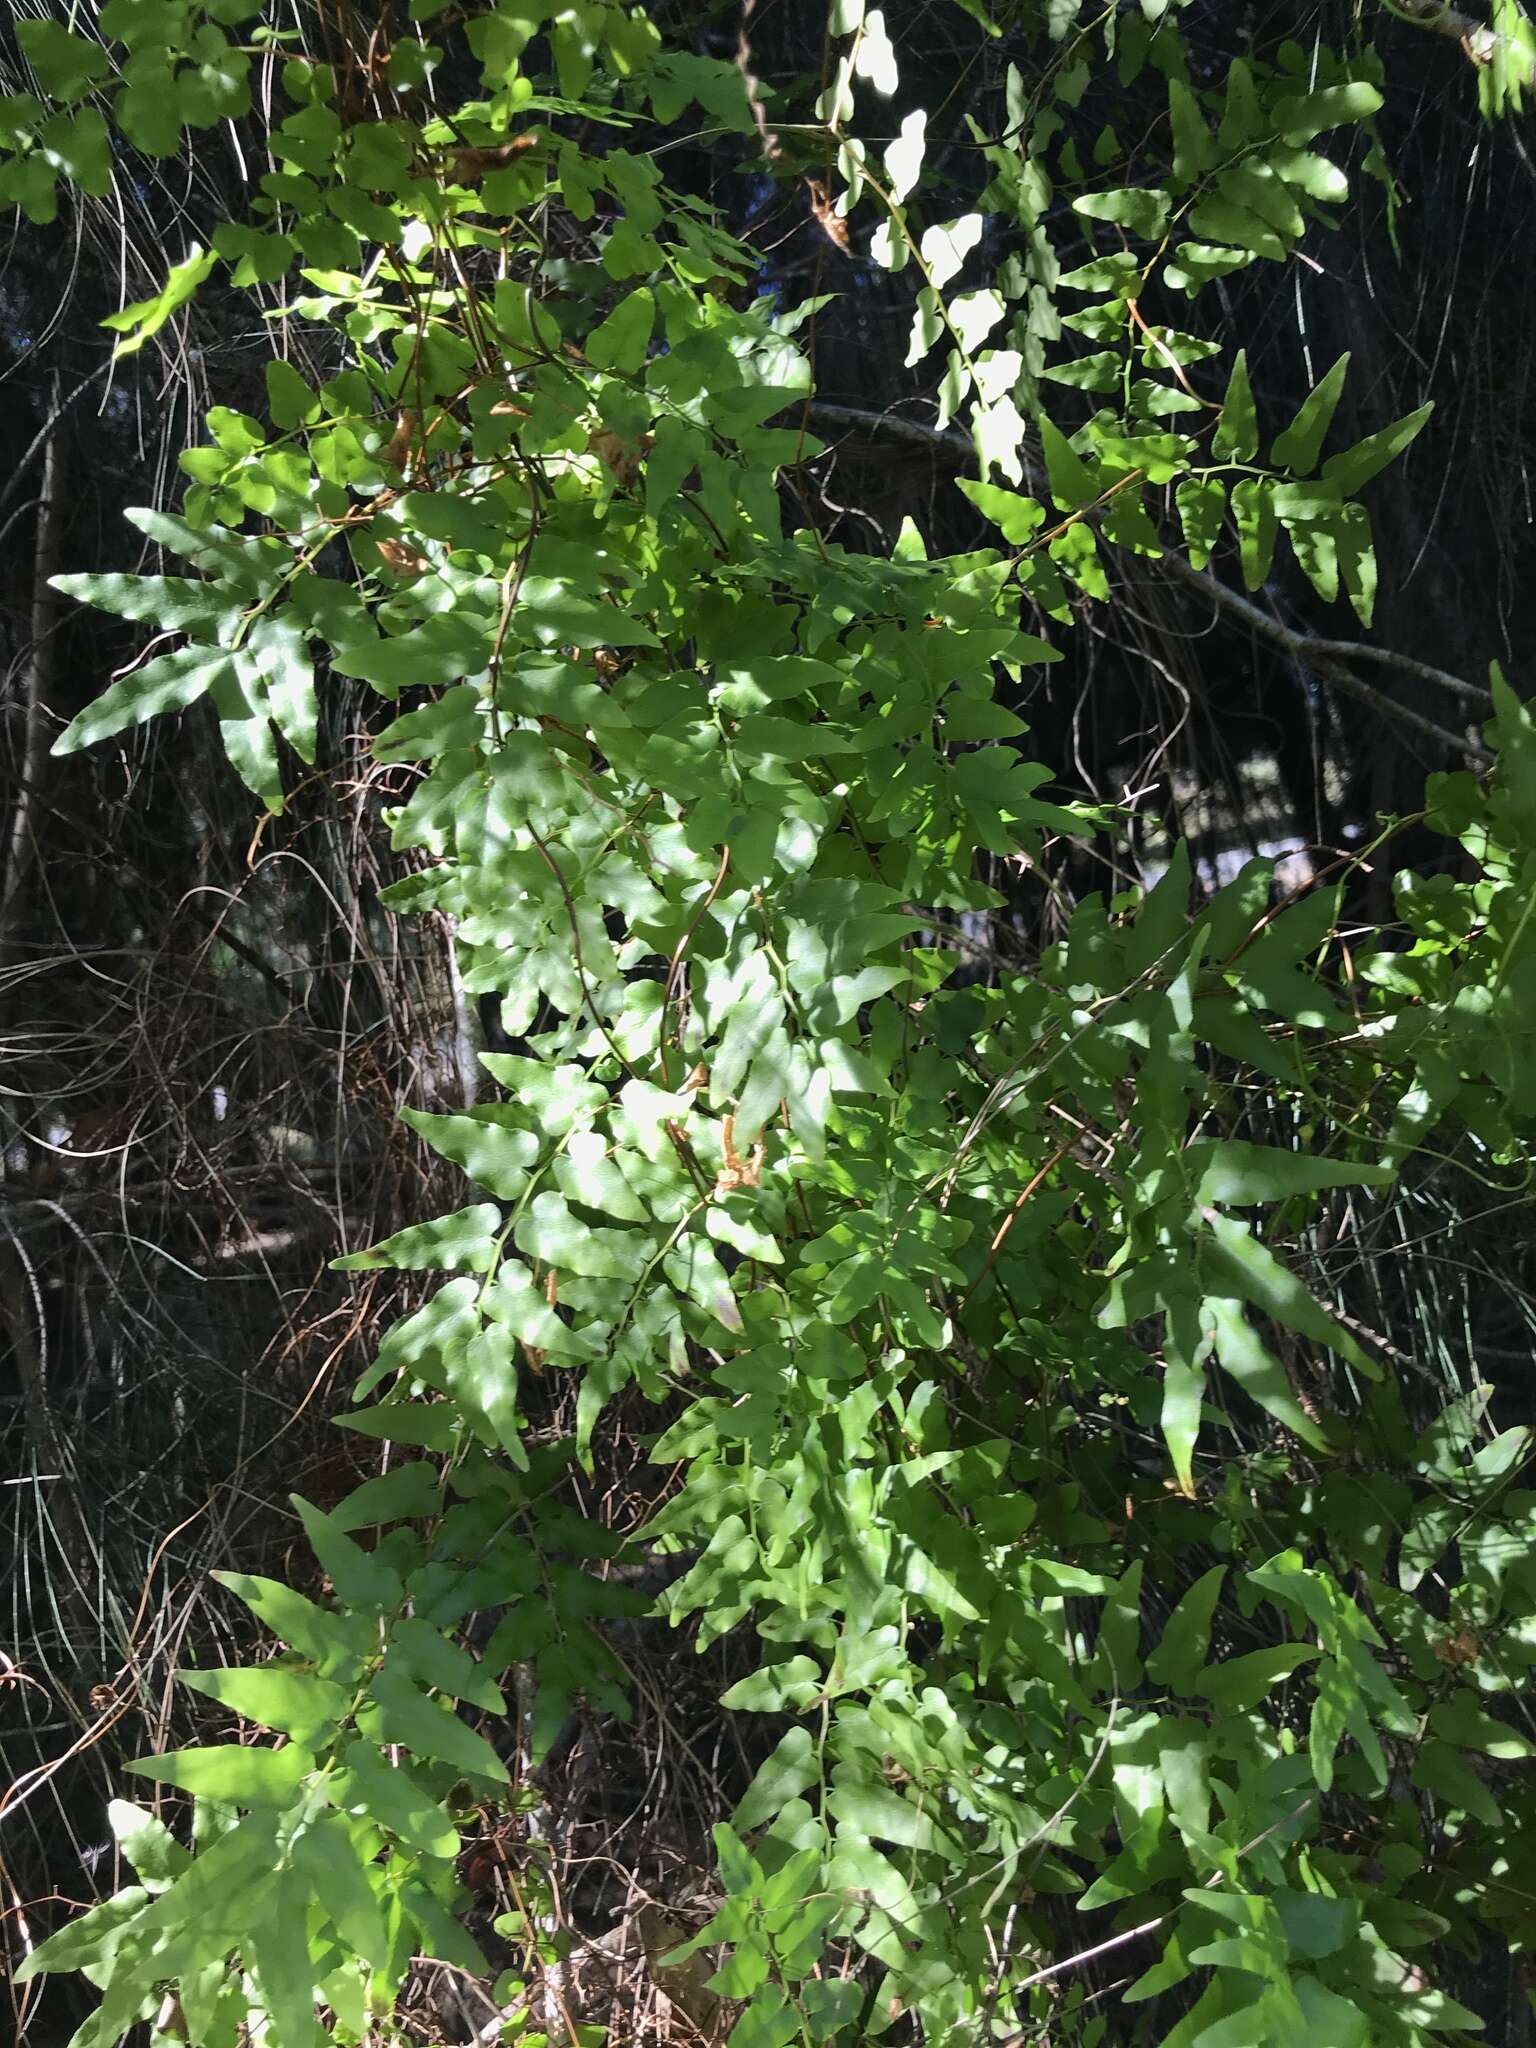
(925, 1268)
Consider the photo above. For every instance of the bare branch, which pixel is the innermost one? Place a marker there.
(1351, 650)
(1475, 37)
(1115, 1941)
(1328, 656)
(946, 441)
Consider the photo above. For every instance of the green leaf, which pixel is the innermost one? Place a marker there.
(1185, 1350)
(1117, 1652)
(77, 146)
(1312, 174)
(1460, 1720)
(904, 157)
(172, 604)
(1316, 551)
(144, 319)
(489, 1143)
(1072, 482)
(296, 1703)
(245, 727)
(1308, 114)
(793, 1766)
(462, 1242)
(776, 1688)
(428, 1425)
(1180, 1654)
(360, 1579)
(1232, 1262)
(1262, 1378)
(1236, 438)
(65, 65)
(168, 683)
(557, 1097)
(157, 1857)
(1171, 1969)
(879, 1812)
(1352, 470)
(1219, 219)
(482, 1381)
(403, 1493)
(620, 342)
(443, 649)
(555, 615)
(1253, 509)
(335, 1644)
(30, 183)
(1254, 185)
(281, 656)
(1194, 147)
(292, 402)
(1232, 1170)
(399, 1712)
(231, 1774)
(1016, 518)
(386, 1794)
(550, 1231)
(1100, 371)
(1314, 1924)
(946, 245)
(1298, 448)
(436, 1660)
(86, 1942)
(1143, 210)
(1242, 117)
(1239, 1683)
(1195, 264)
(1202, 504)
(243, 563)
(1440, 1769)
(1119, 273)
(1357, 558)
(339, 1881)
(20, 114)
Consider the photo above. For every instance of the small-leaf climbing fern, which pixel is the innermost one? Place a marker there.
(991, 1367)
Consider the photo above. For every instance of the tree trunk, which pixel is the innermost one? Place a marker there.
(37, 667)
